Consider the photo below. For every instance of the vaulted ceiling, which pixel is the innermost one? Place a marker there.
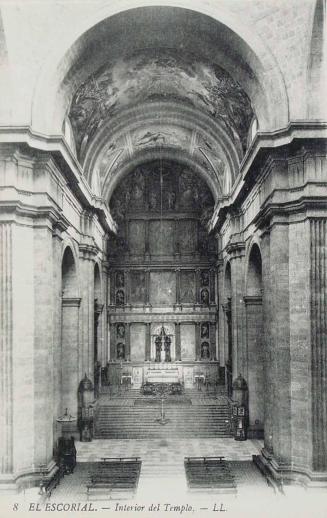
(159, 75)
(161, 83)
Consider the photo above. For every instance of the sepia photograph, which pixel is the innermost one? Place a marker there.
(163, 258)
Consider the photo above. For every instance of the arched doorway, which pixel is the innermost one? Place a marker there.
(254, 340)
(70, 356)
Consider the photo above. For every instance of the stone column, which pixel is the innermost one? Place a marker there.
(113, 342)
(70, 353)
(147, 289)
(197, 340)
(212, 286)
(236, 253)
(221, 351)
(148, 342)
(178, 341)
(86, 265)
(254, 368)
(213, 340)
(178, 288)
(197, 285)
(112, 287)
(6, 350)
(318, 306)
(128, 341)
(104, 317)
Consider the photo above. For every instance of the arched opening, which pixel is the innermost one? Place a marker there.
(227, 307)
(254, 367)
(68, 272)
(70, 356)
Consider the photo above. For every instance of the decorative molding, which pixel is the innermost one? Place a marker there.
(73, 302)
(253, 300)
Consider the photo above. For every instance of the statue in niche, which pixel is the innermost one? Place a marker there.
(120, 351)
(120, 298)
(205, 330)
(205, 297)
(158, 348)
(120, 331)
(171, 199)
(205, 351)
(205, 278)
(167, 349)
(120, 280)
(153, 201)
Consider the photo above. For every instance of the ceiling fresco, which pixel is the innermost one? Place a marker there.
(159, 75)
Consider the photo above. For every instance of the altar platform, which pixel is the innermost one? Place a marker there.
(187, 373)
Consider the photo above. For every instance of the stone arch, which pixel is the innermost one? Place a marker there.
(204, 145)
(253, 282)
(69, 273)
(265, 85)
(255, 360)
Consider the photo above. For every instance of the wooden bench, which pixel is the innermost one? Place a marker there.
(114, 476)
(49, 484)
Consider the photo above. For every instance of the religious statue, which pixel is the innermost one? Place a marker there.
(120, 281)
(205, 297)
(158, 348)
(120, 351)
(120, 330)
(205, 351)
(153, 202)
(167, 349)
(120, 298)
(171, 198)
(205, 278)
(205, 330)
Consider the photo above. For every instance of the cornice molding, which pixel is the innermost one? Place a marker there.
(72, 302)
(259, 157)
(253, 300)
(56, 145)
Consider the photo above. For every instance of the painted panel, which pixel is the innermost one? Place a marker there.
(187, 286)
(162, 288)
(161, 237)
(137, 237)
(137, 341)
(187, 236)
(138, 287)
(188, 341)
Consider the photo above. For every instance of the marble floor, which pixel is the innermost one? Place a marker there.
(162, 473)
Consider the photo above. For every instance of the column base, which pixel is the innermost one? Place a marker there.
(280, 475)
(14, 483)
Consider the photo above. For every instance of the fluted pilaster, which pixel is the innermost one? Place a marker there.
(318, 230)
(6, 410)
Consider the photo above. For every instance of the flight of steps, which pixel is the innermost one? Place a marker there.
(185, 420)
